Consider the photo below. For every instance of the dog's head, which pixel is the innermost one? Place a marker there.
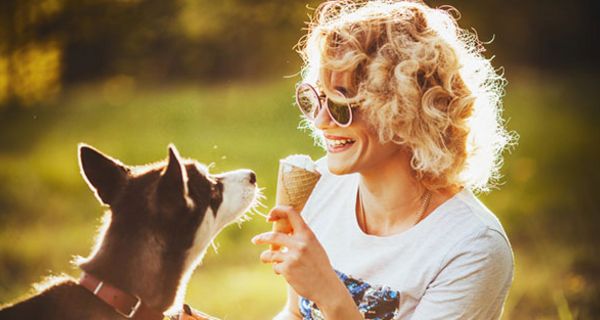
(164, 215)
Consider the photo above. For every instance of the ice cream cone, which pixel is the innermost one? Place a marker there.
(294, 186)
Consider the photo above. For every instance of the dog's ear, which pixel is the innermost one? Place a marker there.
(172, 188)
(105, 176)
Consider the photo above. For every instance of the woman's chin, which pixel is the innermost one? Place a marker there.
(339, 165)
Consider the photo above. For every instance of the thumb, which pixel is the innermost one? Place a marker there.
(286, 212)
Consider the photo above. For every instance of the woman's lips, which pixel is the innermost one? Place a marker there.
(336, 144)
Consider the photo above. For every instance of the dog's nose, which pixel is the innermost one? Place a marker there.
(252, 177)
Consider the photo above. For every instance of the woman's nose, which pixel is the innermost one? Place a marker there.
(323, 120)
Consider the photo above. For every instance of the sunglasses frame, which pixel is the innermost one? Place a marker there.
(320, 106)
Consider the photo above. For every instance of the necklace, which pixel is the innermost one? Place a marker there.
(426, 199)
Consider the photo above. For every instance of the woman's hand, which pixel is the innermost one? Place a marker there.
(302, 260)
(306, 267)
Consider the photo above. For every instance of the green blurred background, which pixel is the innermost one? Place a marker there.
(216, 78)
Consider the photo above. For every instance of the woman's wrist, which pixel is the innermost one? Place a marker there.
(335, 302)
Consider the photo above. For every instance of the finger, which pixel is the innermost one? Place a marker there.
(280, 224)
(273, 215)
(283, 226)
(278, 268)
(287, 212)
(270, 256)
(274, 238)
(278, 212)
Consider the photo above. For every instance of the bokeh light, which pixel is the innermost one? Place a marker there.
(217, 79)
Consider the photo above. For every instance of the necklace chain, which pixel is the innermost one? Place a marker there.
(425, 205)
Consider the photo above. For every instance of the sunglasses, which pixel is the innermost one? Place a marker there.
(310, 103)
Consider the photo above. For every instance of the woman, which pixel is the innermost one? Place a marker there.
(409, 112)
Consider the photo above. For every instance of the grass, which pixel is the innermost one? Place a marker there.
(48, 215)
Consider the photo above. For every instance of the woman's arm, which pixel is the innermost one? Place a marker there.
(291, 311)
(473, 283)
(306, 267)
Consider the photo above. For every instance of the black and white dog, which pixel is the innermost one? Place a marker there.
(160, 221)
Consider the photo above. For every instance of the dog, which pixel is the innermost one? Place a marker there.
(160, 220)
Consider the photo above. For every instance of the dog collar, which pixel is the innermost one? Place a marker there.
(125, 304)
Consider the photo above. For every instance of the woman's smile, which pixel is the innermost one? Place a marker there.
(337, 144)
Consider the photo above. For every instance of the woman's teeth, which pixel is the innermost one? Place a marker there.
(339, 142)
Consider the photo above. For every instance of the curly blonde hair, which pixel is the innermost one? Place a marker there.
(418, 80)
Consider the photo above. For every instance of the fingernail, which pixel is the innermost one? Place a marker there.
(254, 239)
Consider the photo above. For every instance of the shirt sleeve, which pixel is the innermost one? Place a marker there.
(473, 281)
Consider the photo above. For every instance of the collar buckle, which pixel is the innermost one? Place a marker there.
(133, 310)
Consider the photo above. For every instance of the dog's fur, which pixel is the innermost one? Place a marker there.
(161, 220)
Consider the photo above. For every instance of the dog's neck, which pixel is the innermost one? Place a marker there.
(140, 266)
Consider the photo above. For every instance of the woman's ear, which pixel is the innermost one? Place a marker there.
(104, 175)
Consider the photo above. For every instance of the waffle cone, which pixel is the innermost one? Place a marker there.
(294, 186)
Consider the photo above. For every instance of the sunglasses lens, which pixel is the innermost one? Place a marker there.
(341, 113)
(308, 101)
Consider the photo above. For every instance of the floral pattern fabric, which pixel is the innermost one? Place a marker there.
(374, 302)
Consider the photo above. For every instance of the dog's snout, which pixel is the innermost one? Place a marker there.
(244, 176)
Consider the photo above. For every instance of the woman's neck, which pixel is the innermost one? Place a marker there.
(392, 197)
